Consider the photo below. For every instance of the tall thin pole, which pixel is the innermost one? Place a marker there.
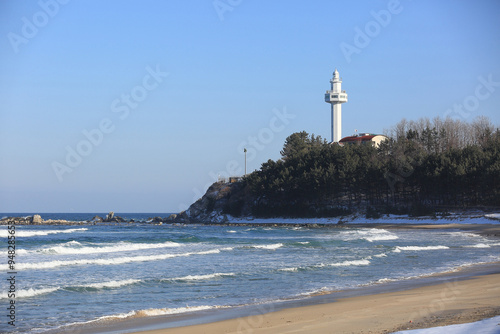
(245, 150)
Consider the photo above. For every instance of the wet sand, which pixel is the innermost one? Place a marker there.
(447, 303)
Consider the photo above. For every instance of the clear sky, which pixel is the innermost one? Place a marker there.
(137, 106)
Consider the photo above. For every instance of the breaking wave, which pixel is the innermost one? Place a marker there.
(201, 277)
(112, 261)
(110, 284)
(371, 235)
(26, 293)
(363, 262)
(69, 248)
(271, 247)
(31, 233)
(398, 249)
(479, 246)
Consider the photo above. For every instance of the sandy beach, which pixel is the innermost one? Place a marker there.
(453, 301)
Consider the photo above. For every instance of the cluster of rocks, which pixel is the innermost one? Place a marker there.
(110, 218)
(34, 220)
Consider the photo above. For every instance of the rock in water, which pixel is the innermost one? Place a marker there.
(109, 216)
(97, 219)
(37, 219)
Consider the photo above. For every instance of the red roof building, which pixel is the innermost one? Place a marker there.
(363, 138)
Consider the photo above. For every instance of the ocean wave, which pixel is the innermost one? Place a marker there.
(26, 293)
(381, 237)
(385, 280)
(34, 233)
(398, 249)
(156, 312)
(378, 235)
(371, 235)
(289, 269)
(270, 247)
(201, 277)
(110, 284)
(69, 248)
(112, 261)
(363, 262)
(316, 292)
(479, 246)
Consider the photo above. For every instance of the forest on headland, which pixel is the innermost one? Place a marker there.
(426, 166)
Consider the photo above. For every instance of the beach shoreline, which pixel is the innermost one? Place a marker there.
(465, 295)
(452, 301)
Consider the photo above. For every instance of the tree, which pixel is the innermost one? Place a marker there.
(299, 143)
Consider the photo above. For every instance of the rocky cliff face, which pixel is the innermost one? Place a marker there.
(220, 201)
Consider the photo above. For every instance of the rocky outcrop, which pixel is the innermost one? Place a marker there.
(96, 219)
(220, 201)
(37, 219)
(109, 216)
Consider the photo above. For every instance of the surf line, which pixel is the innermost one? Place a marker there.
(11, 262)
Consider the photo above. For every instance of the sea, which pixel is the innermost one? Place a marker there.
(76, 276)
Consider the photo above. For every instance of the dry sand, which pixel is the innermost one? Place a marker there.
(437, 305)
(452, 302)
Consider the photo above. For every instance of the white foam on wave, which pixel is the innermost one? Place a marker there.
(166, 311)
(68, 248)
(201, 277)
(479, 246)
(363, 262)
(381, 238)
(111, 284)
(371, 235)
(26, 293)
(270, 247)
(293, 269)
(158, 311)
(34, 233)
(319, 291)
(112, 261)
(232, 231)
(398, 249)
(378, 235)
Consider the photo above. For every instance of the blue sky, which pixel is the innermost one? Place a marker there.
(137, 106)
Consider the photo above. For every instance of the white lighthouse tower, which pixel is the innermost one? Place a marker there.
(336, 96)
